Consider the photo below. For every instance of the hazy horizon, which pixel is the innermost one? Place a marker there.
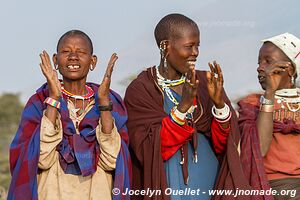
(230, 33)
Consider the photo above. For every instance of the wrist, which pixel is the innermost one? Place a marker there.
(52, 102)
(219, 105)
(104, 101)
(55, 97)
(184, 106)
(221, 113)
(106, 107)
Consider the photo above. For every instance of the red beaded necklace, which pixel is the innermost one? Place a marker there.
(90, 93)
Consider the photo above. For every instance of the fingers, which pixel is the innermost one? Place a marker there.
(191, 77)
(213, 71)
(110, 66)
(219, 72)
(209, 77)
(278, 67)
(215, 76)
(193, 74)
(43, 69)
(45, 61)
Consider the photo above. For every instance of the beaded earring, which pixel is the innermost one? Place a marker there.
(92, 68)
(293, 80)
(162, 48)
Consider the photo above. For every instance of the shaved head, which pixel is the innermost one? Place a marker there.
(171, 26)
(75, 32)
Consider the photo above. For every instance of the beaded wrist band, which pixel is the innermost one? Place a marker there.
(52, 102)
(222, 113)
(177, 116)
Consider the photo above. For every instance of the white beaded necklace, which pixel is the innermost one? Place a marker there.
(288, 96)
(167, 83)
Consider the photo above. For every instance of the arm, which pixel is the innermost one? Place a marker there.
(107, 134)
(265, 127)
(110, 144)
(50, 137)
(274, 74)
(219, 136)
(173, 136)
(53, 84)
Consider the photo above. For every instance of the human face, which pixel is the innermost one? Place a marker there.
(183, 51)
(268, 55)
(74, 58)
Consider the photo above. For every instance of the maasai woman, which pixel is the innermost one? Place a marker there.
(180, 120)
(63, 149)
(270, 123)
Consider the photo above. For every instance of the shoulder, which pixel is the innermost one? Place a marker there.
(142, 81)
(39, 96)
(252, 99)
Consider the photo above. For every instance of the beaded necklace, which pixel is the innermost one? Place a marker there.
(288, 96)
(90, 93)
(289, 101)
(167, 83)
(78, 111)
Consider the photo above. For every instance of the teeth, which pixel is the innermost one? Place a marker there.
(73, 67)
(191, 62)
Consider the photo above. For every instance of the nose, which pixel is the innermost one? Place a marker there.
(73, 56)
(195, 51)
(261, 68)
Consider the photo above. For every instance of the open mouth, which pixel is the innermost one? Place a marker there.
(261, 78)
(191, 62)
(73, 67)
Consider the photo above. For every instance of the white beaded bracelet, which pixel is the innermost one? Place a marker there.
(222, 113)
(179, 114)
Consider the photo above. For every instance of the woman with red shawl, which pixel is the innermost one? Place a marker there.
(181, 124)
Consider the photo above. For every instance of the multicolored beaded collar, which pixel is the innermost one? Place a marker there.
(167, 82)
(90, 93)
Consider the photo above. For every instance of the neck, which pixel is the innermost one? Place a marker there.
(170, 73)
(287, 86)
(75, 87)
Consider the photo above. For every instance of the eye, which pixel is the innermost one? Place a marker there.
(269, 61)
(188, 46)
(81, 51)
(65, 51)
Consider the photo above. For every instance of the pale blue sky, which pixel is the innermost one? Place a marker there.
(230, 33)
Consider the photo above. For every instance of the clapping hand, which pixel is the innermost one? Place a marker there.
(215, 84)
(51, 76)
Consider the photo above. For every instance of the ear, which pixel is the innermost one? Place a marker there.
(165, 44)
(54, 59)
(94, 61)
(291, 70)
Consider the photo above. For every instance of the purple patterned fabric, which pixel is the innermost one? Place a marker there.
(78, 153)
